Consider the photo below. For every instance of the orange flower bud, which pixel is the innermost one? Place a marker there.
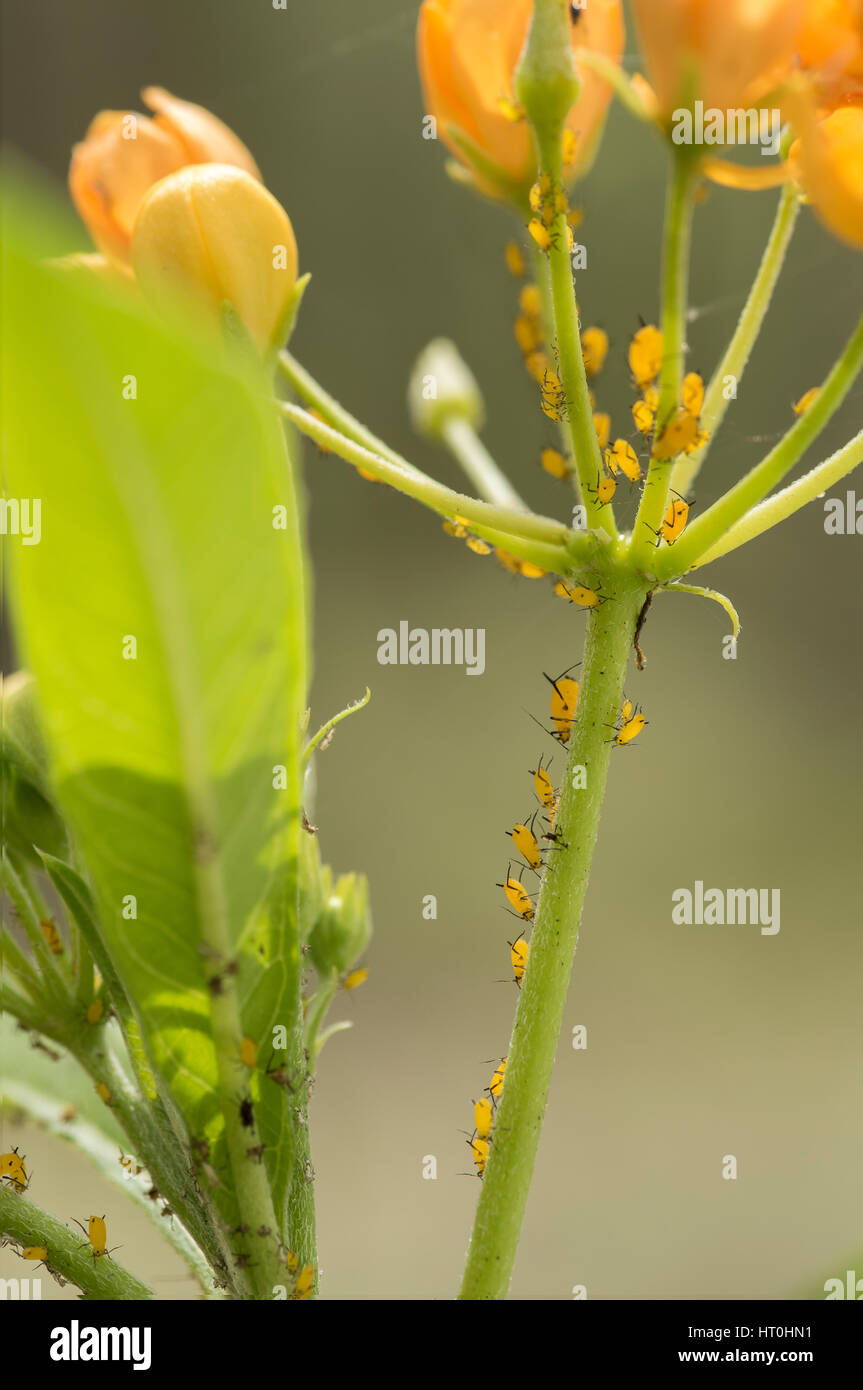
(725, 53)
(830, 49)
(124, 154)
(468, 51)
(828, 160)
(213, 233)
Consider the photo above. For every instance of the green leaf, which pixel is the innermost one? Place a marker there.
(160, 464)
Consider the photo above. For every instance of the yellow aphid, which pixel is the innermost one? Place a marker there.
(622, 458)
(530, 301)
(594, 350)
(304, 1286)
(292, 1262)
(249, 1053)
(575, 217)
(477, 546)
(514, 257)
(554, 463)
(12, 1167)
(509, 562)
(482, 1117)
(355, 978)
(34, 1252)
(518, 953)
(540, 234)
(643, 417)
(578, 594)
(528, 334)
(569, 147)
(496, 1083)
(561, 202)
(369, 477)
(510, 110)
(564, 700)
(97, 1235)
(530, 571)
(626, 710)
(602, 425)
(553, 395)
(455, 528)
(537, 364)
(103, 1093)
(806, 400)
(630, 729)
(651, 398)
(675, 520)
(645, 355)
(525, 842)
(543, 786)
(479, 1149)
(570, 237)
(692, 394)
(605, 490)
(95, 1011)
(518, 897)
(680, 433)
(52, 936)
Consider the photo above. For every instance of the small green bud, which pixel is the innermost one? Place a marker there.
(344, 928)
(442, 388)
(546, 83)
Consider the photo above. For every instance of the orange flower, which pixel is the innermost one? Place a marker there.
(468, 51)
(124, 154)
(830, 50)
(213, 234)
(725, 53)
(828, 160)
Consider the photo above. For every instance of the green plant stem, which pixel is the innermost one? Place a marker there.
(733, 364)
(68, 1253)
(478, 465)
(56, 978)
(334, 414)
(440, 499)
(675, 278)
(706, 532)
(578, 419)
(13, 958)
(783, 504)
(555, 932)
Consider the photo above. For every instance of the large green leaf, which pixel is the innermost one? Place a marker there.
(158, 524)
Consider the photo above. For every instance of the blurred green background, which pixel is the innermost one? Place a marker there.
(702, 1041)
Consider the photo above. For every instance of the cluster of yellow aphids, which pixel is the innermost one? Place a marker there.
(304, 1279)
(483, 1118)
(459, 527)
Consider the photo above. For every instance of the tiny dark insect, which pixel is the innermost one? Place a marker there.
(242, 1261)
(239, 1230)
(247, 1114)
(264, 1231)
(256, 1151)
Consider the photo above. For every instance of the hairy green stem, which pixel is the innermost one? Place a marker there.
(675, 281)
(783, 504)
(334, 414)
(478, 465)
(519, 1115)
(733, 364)
(578, 411)
(68, 1253)
(706, 532)
(440, 499)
